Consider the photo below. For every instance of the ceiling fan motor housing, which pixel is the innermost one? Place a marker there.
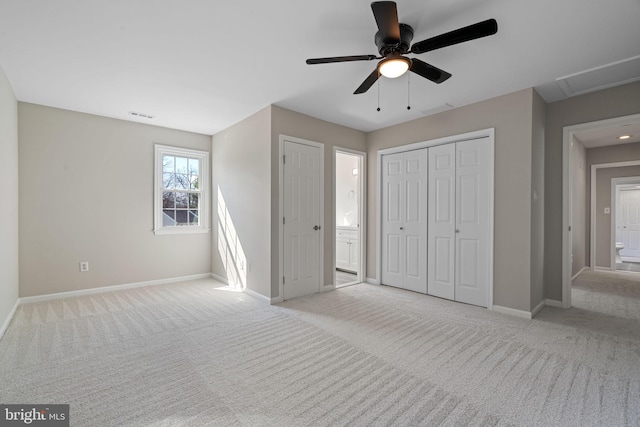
(386, 45)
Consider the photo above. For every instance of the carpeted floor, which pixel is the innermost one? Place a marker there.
(196, 354)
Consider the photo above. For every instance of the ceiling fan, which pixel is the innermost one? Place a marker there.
(393, 40)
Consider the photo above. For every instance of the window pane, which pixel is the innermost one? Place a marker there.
(193, 217)
(168, 180)
(193, 201)
(168, 163)
(194, 182)
(181, 165)
(168, 199)
(168, 218)
(182, 200)
(181, 217)
(194, 166)
(182, 181)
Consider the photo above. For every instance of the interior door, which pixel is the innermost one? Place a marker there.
(392, 206)
(630, 204)
(441, 239)
(302, 233)
(472, 222)
(404, 220)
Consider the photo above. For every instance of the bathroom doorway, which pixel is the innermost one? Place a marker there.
(349, 219)
(625, 227)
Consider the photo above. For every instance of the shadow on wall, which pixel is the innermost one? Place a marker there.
(230, 247)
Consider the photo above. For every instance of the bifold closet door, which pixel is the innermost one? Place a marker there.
(442, 221)
(404, 220)
(473, 209)
(459, 221)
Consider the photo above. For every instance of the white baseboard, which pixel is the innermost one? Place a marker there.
(327, 288)
(372, 281)
(512, 312)
(276, 300)
(220, 279)
(538, 308)
(257, 295)
(553, 303)
(603, 268)
(12, 313)
(112, 288)
(579, 272)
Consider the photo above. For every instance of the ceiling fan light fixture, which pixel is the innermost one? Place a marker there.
(394, 66)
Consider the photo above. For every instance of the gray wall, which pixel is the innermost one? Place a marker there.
(537, 199)
(603, 199)
(605, 104)
(511, 116)
(291, 123)
(579, 224)
(241, 176)
(86, 194)
(9, 191)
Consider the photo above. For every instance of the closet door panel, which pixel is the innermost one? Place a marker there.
(414, 228)
(441, 221)
(393, 202)
(472, 222)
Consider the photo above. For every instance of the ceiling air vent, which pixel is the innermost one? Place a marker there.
(610, 75)
(141, 115)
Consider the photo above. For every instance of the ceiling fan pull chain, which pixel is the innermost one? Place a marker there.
(408, 91)
(378, 96)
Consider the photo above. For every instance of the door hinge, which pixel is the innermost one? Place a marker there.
(283, 280)
(569, 228)
(283, 220)
(284, 159)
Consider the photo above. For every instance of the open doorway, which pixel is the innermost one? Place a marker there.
(349, 217)
(607, 145)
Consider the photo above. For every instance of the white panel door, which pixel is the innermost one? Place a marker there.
(630, 204)
(404, 220)
(302, 220)
(442, 216)
(472, 267)
(392, 215)
(415, 226)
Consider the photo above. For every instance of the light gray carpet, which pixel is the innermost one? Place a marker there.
(191, 354)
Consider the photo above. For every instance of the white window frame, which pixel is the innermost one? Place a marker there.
(203, 157)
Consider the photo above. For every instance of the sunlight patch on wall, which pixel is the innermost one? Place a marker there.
(230, 247)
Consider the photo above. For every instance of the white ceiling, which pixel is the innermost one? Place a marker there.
(203, 65)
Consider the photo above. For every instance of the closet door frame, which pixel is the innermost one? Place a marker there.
(484, 133)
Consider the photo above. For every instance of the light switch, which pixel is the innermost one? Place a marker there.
(607, 211)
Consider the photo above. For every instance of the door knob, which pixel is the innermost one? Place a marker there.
(401, 228)
(316, 227)
(457, 231)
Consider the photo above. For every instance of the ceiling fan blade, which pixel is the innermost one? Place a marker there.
(428, 71)
(341, 59)
(368, 82)
(464, 34)
(386, 15)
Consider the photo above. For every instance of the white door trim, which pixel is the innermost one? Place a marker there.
(614, 211)
(568, 133)
(488, 133)
(319, 145)
(362, 217)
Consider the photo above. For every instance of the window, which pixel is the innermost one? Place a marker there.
(180, 201)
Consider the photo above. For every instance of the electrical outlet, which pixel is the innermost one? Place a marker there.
(84, 266)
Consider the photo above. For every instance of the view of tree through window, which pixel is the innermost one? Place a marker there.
(180, 191)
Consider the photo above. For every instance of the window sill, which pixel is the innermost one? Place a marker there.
(181, 230)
